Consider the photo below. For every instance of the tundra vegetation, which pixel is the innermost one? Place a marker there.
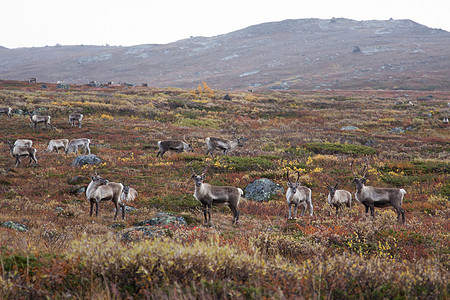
(63, 252)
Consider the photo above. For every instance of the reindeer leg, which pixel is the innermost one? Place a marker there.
(123, 211)
(96, 207)
(295, 211)
(209, 212)
(304, 209)
(92, 208)
(372, 211)
(204, 213)
(290, 206)
(117, 210)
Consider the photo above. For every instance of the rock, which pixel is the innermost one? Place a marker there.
(262, 189)
(397, 130)
(162, 218)
(14, 225)
(349, 128)
(86, 160)
(409, 128)
(370, 143)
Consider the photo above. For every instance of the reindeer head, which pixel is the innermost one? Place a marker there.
(360, 181)
(332, 189)
(98, 180)
(198, 179)
(293, 186)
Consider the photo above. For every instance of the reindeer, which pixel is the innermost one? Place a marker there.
(57, 144)
(338, 198)
(75, 118)
(445, 120)
(6, 110)
(128, 194)
(372, 197)
(209, 195)
(297, 194)
(20, 151)
(226, 146)
(100, 189)
(174, 145)
(76, 143)
(36, 119)
(23, 143)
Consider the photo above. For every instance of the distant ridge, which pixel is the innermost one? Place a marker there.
(303, 54)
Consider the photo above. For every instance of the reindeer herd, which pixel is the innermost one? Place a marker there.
(102, 190)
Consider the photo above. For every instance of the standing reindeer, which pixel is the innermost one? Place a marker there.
(209, 195)
(57, 144)
(128, 194)
(36, 119)
(6, 110)
(173, 145)
(226, 146)
(372, 197)
(101, 190)
(297, 194)
(76, 143)
(75, 118)
(338, 198)
(22, 151)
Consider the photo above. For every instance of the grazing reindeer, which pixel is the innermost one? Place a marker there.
(19, 151)
(23, 143)
(372, 197)
(209, 195)
(75, 118)
(128, 194)
(100, 189)
(76, 143)
(297, 194)
(338, 198)
(57, 144)
(6, 110)
(173, 145)
(226, 146)
(36, 119)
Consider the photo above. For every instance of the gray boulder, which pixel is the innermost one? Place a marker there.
(86, 160)
(162, 218)
(14, 225)
(262, 190)
(349, 128)
(397, 130)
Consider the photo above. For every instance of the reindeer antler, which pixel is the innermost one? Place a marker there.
(353, 171)
(298, 176)
(205, 170)
(190, 165)
(287, 175)
(366, 168)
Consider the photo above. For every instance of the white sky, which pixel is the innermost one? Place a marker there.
(28, 23)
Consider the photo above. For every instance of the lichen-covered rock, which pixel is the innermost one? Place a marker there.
(86, 160)
(349, 128)
(14, 225)
(262, 190)
(163, 218)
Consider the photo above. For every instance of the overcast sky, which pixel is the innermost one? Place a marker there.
(28, 23)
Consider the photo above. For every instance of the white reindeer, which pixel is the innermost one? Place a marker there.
(76, 143)
(23, 143)
(101, 190)
(128, 194)
(298, 195)
(226, 146)
(75, 118)
(338, 198)
(57, 144)
(36, 119)
(20, 152)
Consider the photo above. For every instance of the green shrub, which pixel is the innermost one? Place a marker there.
(336, 148)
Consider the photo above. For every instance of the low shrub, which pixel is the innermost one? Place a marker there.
(336, 148)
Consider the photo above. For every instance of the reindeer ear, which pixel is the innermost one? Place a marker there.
(363, 180)
(203, 177)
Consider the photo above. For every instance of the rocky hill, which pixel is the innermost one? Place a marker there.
(291, 54)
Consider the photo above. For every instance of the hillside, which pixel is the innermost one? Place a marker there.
(51, 248)
(304, 54)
